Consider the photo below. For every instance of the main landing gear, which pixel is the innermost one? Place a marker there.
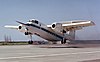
(63, 41)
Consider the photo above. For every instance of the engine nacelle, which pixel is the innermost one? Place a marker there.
(57, 27)
(22, 28)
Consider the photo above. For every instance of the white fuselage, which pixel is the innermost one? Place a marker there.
(44, 32)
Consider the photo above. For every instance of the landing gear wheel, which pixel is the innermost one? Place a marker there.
(26, 33)
(62, 42)
(30, 42)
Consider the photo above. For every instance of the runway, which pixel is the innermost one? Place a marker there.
(34, 53)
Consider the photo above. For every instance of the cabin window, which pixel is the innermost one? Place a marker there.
(36, 21)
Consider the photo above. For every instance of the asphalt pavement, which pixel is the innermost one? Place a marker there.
(42, 53)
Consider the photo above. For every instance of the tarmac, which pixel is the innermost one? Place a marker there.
(49, 53)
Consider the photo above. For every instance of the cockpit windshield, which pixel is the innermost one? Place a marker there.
(33, 21)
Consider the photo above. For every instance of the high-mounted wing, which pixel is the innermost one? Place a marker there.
(11, 27)
(71, 25)
(15, 27)
(21, 27)
(76, 25)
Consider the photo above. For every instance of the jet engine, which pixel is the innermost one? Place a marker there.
(20, 27)
(57, 27)
(23, 29)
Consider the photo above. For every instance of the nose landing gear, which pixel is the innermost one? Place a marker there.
(30, 36)
(30, 41)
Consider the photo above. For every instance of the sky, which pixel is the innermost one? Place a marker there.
(47, 12)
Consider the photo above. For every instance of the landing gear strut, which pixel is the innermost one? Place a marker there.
(63, 41)
(30, 41)
(30, 36)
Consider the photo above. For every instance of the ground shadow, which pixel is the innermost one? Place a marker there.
(61, 47)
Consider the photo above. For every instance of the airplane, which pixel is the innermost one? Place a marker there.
(57, 31)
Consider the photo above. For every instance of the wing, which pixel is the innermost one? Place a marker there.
(11, 27)
(71, 25)
(21, 27)
(76, 25)
(15, 27)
